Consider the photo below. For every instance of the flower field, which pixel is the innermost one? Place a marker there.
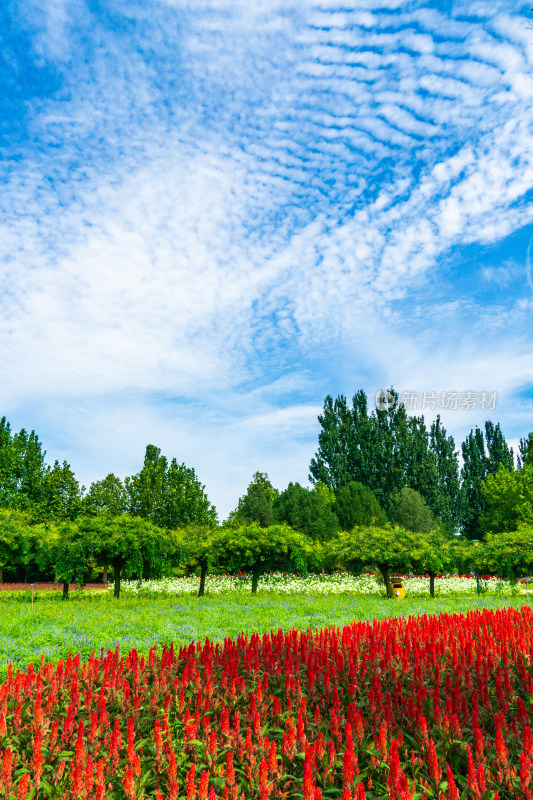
(426, 707)
(337, 583)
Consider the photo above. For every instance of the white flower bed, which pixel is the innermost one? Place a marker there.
(338, 583)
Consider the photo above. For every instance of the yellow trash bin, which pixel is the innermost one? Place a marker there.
(398, 591)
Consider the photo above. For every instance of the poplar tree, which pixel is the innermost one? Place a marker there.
(387, 450)
(525, 454)
(22, 467)
(482, 455)
(169, 495)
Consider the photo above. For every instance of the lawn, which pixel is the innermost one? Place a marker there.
(58, 628)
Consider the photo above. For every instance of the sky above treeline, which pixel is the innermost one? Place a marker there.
(216, 212)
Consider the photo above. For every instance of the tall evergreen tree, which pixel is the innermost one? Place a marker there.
(356, 505)
(482, 455)
(344, 443)
(409, 510)
(445, 505)
(169, 495)
(525, 455)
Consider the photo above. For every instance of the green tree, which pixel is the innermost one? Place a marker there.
(22, 467)
(525, 455)
(386, 547)
(61, 494)
(256, 549)
(257, 505)
(345, 444)
(482, 455)
(508, 496)
(14, 539)
(508, 553)
(409, 510)
(134, 546)
(71, 556)
(308, 511)
(107, 495)
(169, 495)
(194, 547)
(445, 502)
(356, 505)
(433, 554)
(386, 450)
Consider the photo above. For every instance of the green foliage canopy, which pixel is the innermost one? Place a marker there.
(169, 495)
(508, 496)
(356, 505)
(409, 510)
(482, 455)
(309, 511)
(387, 547)
(257, 505)
(256, 549)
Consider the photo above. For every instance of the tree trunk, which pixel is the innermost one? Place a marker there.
(255, 581)
(385, 572)
(116, 570)
(1, 574)
(104, 575)
(323, 570)
(432, 584)
(65, 590)
(203, 575)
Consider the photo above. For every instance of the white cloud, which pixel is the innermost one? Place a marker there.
(255, 189)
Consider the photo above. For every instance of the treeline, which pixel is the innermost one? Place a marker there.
(76, 552)
(373, 470)
(167, 493)
(388, 450)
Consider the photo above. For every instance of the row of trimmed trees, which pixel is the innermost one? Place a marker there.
(136, 548)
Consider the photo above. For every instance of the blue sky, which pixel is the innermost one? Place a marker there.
(216, 212)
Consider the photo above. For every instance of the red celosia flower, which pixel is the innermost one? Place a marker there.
(451, 792)
(190, 784)
(308, 784)
(203, 785)
(230, 773)
(23, 787)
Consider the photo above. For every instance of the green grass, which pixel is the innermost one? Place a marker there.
(83, 625)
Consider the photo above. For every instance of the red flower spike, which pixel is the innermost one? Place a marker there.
(308, 785)
(472, 778)
(203, 786)
(23, 787)
(7, 765)
(435, 771)
(348, 771)
(263, 773)
(230, 773)
(451, 792)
